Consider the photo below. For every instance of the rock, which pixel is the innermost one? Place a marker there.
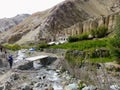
(26, 66)
(37, 65)
(114, 87)
(68, 77)
(38, 84)
(71, 87)
(50, 87)
(38, 77)
(14, 37)
(45, 85)
(90, 36)
(14, 76)
(1, 62)
(44, 76)
(90, 88)
(25, 86)
(1, 87)
(7, 85)
(64, 83)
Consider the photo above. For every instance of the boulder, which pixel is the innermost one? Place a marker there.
(50, 88)
(72, 86)
(25, 86)
(114, 87)
(38, 84)
(91, 87)
(7, 85)
(1, 87)
(14, 76)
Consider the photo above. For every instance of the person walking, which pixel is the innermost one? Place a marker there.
(10, 60)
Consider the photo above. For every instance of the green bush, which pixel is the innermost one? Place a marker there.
(39, 46)
(81, 37)
(99, 32)
(72, 39)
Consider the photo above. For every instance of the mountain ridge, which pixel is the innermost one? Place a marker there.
(7, 23)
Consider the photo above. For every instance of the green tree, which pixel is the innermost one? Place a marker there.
(115, 41)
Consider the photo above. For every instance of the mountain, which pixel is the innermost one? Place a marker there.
(60, 20)
(7, 23)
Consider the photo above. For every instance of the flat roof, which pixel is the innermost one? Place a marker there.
(36, 57)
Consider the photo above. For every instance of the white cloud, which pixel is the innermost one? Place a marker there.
(10, 8)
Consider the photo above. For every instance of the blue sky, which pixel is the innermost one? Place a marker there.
(10, 8)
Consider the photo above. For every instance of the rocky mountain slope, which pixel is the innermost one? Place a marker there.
(7, 23)
(51, 24)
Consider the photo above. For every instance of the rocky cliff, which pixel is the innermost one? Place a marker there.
(7, 23)
(52, 23)
(88, 25)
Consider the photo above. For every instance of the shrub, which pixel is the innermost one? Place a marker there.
(81, 37)
(16, 47)
(99, 32)
(72, 39)
(93, 32)
(39, 46)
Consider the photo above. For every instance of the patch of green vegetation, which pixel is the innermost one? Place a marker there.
(41, 46)
(83, 45)
(80, 37)
(99, 32)
(12, 47)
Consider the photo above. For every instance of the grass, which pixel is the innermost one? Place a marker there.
(86, 45)
(83, 45)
